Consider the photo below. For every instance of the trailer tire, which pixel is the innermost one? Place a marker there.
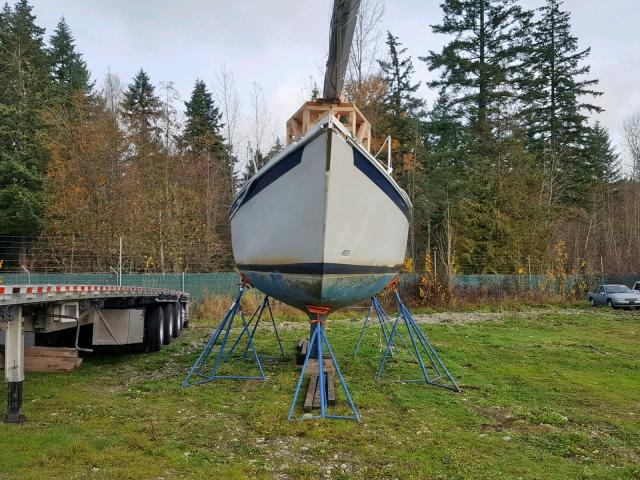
(168, 323)
(155, 328)
(177, 319)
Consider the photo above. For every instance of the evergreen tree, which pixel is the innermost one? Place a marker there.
(202, 133)
(499, 225)
(5, 16)
(23, 79)
(401, 100)
(482, 64)
(555, 115)
(5, 29)
(445, 135)
(22, 55)
(476, 159)
(142, 108)
(68, 69)
(554, 112)
(402, 120)
(597, 165)
(202, 129)
(447, 141)
(403, 108)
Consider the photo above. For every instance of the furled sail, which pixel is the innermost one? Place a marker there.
(343, 24)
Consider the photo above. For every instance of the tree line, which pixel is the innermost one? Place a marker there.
(508, 167)
(81, 167)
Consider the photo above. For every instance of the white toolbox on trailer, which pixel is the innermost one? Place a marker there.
(118, 326)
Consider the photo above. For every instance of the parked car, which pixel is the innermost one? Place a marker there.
(615, 296)
(636, 287)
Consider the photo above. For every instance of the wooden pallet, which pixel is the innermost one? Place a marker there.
(312, 400)
(49, 359)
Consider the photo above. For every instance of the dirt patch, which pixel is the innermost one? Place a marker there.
(461, 318)
(504, 420)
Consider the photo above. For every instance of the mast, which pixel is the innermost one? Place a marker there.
(343, 24)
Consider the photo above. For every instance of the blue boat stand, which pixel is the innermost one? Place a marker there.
(257, 315)
(316, 342)
(197, 373)
(385, 326)
(419, 345)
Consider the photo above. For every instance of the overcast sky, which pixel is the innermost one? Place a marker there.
(282, 43)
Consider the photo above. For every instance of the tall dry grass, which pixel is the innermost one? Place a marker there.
(427, 294)
(213, 308)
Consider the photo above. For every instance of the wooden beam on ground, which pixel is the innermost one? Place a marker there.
(331, 389)
(50, 359)
(312, 366)
(311, 392)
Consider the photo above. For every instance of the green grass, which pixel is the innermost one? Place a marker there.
(550, 394)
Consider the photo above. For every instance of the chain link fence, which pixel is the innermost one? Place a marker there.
(200, 285)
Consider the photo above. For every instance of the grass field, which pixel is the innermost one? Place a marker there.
(547, 393)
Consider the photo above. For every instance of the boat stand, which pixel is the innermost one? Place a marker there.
(317, 342)
(385, 325)
(197, 374)
(419, 345)
(257, 316)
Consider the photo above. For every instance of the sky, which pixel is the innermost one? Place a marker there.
(282, 44)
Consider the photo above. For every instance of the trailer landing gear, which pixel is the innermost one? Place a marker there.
(14, 363)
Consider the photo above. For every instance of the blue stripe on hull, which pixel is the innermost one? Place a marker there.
(332, 291)
(363, 164)
(285, 164)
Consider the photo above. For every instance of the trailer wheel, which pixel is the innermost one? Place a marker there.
(155, 328)
(177, 319)
(168, 323)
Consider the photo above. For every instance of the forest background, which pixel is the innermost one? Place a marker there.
(509, 169)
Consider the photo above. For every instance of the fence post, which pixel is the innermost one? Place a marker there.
(120, 264)
(530, 278)
(28, 273)
(183, 281)
(73, 249)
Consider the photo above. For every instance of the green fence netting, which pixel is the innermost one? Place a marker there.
(200, 285)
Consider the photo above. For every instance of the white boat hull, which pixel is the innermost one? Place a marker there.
(321, 225)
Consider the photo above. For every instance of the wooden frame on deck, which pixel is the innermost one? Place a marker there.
(352, 118)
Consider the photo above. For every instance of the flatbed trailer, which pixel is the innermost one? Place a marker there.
(146, 318)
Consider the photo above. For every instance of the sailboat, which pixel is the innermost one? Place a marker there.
(323, 224)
